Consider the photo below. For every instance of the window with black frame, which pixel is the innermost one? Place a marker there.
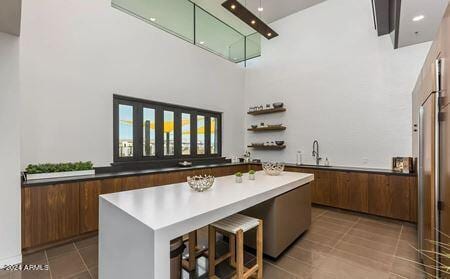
(152, 131)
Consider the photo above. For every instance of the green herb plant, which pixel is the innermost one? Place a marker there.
(239, 174)
(61, 167)
(251, 172)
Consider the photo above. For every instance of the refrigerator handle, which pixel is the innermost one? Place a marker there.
(436, 160)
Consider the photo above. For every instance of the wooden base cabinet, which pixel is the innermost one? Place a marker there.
(390, 196)
(49, 214)
(53, 214)
(393, 196)
(323, 191)
(89, 192)
(56, 213)
(351, 191)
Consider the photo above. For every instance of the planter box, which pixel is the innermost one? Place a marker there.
(58, 174)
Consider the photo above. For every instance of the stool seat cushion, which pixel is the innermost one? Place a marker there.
(236, 222)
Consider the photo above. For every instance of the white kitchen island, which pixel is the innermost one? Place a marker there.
(136, 227)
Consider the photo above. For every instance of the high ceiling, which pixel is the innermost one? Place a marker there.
(410, 32)
(414, 32)
(273, 10)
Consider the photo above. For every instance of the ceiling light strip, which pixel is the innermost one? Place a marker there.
(248, 17)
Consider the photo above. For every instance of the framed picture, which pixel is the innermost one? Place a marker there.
(402, 164)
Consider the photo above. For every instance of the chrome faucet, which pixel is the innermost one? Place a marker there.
(315, 152)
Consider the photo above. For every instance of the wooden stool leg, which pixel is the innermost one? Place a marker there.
(192, 250)
(240, 254)
(259, 249)
(232, 243)
(212, 251)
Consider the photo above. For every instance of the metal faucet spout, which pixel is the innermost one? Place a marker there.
(315, 152)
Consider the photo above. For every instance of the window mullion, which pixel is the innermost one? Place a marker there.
(207, 135)
(116, 129)
(219, 134)
(194, 134)
(177, 133)
(159, 127)
(137, 131)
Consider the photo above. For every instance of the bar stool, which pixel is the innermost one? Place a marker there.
(234, 227)
(194, 252)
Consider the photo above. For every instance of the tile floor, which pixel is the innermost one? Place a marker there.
(339, 244)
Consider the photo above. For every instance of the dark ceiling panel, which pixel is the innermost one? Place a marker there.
(387, 18)
(381, 10)
(248, 17)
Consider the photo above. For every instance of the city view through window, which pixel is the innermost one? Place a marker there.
(145, 131)
(126, 131)
(186, 134)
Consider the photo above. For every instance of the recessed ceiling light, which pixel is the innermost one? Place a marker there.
(152, 19)
(233, 6)
(253, 22)
(260, 9)
(269, 34)
(418, 18)
(202, 42)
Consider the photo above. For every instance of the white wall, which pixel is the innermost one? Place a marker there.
(75, 54)
(10, 241)
(341, 83)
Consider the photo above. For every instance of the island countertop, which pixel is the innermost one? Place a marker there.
(136, 226)
(160, 207)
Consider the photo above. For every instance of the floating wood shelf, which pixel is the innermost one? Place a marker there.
(262, 129)
(266, 111)
(267, 147)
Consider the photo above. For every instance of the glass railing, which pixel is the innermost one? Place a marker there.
(253, 46)
(192, 23)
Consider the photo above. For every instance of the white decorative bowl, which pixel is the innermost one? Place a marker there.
(200, 183)
(272, 168)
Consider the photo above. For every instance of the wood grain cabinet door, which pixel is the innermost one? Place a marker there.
(181, 176)
(131, 183)
(49, 213)
(400, 195)
(89, 200)
(340, 196)
(389, 196)
(89, 194)
(139, 182)
(160, 179)
(352, 191)
(379, 195)
(325, 181)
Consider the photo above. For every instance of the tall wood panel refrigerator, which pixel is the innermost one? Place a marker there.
(429, 170)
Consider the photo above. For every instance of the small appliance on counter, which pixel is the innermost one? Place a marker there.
(185, 164)
(403, 164)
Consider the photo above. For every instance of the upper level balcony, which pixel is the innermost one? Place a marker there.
(193, 23)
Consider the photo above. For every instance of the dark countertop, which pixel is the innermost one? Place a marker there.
(352, 169)
(50, 181)
(121, 174)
